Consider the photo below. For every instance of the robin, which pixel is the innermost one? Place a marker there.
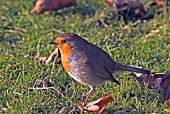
(87, 63)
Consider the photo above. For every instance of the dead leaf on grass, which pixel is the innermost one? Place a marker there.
(16, 102)
(152, 33)
(42, 59)
(45, 5)
(47, 60)
(131, 6)
(97, 106)
(167, 102)
(157, 81)
(160, 2)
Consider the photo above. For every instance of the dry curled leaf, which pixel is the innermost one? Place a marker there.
(160, 2)
(47, 60)
(165, 84)
(42, 59)
(16, 102)
(157, 81)
(153, 33)
(130, 6)
(143, 79)
(9, 65)
(167, 102)
(98, 105)
(53, 54)
(45, 5)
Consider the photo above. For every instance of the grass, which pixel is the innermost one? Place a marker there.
(24, 37)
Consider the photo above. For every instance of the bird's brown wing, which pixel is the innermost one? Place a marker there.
(102, 72)
(100, 62)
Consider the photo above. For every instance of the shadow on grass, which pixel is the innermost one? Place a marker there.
(124, 111)
(82, 9)
(10, 40)
(90, 9)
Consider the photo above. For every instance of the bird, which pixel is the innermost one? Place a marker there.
(87, 63)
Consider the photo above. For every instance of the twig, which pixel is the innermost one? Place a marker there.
(42, 81)
(132, 25)
(1, 76)
(46, 88)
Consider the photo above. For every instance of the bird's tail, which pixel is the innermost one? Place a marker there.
(132, 69)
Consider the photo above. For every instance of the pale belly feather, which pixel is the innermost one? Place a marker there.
(76, 78)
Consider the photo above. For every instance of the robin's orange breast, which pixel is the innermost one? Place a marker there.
(66, 52)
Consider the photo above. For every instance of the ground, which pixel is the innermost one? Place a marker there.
(23, 37)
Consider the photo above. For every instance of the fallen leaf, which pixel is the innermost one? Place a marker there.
(143, 79)
(52, 55)
(45, 5)
(97, 106)
(167, 102)
(132, 25)
(9, 65)
(153, 33)
(42, 59)
(157, 81)
(131, 6)
(165, 84)
(160, 3)
(3, 107)
(47, 60)
(16, 102)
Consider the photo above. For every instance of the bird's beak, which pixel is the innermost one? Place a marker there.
(52, 42)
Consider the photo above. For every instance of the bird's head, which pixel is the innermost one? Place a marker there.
(68, 42)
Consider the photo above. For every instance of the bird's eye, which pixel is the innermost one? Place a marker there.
(63, 41)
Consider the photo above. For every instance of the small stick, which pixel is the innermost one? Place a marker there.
(46, 88)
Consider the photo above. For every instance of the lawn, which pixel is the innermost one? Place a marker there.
(23, 37)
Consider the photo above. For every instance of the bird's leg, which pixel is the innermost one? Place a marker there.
(88, 95)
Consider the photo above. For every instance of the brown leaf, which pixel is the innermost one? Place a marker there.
(143, 79)
(157, 81)
(132, 6)
(98, 105)
(9, 65)
(165, 84)
(167, 102)
(42, 59)
(160, 3)
(52, 55)
(16, 102)
(45, 5)
(108, 2)
(47, 60)
(153, 33)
